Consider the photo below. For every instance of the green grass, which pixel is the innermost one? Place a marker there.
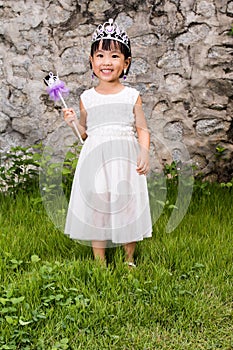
(54, 296)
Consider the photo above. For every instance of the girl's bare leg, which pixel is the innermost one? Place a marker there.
(129, 251)
(98, 248)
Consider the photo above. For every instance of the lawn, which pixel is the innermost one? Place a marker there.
(54, 296)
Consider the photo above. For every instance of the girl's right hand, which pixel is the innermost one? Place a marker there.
(69, 116)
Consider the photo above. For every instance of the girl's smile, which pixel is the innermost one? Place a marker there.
(106, 71)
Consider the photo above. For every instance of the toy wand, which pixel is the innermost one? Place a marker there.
(55, 90)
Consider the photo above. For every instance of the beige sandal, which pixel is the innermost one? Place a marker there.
(131, 264)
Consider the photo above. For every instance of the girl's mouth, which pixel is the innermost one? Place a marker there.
(106, 71)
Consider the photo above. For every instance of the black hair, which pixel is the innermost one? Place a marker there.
(107, 45)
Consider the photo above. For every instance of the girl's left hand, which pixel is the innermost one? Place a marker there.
(143, 163)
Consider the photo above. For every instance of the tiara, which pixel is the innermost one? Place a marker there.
(110, 30)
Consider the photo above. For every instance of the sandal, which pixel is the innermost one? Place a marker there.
(131, 264)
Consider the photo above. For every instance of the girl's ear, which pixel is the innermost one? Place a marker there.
(127, 62)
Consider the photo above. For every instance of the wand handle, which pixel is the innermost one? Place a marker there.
(77, 132)
(62, 99)
(73, 123)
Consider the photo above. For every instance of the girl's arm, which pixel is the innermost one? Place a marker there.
(70, 116)
(143, 162)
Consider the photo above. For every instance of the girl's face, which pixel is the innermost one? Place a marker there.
(109, 64)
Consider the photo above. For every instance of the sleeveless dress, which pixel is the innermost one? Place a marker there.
(109, 199)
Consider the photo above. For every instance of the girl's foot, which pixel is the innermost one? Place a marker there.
(100, 262)
(129, 253)
(130, 264)
(98, 248)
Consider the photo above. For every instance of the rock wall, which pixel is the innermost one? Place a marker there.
(182, 64)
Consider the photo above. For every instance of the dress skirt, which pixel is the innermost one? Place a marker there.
(109, 199)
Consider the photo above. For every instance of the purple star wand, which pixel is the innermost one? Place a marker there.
(55, 89)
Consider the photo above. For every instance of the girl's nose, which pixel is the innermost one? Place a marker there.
(107, 60)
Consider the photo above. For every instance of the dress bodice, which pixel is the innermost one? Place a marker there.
(110, 114)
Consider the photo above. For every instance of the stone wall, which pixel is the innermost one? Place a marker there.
(182, 64)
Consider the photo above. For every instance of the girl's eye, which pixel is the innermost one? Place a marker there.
(115, 56)
(99, 55)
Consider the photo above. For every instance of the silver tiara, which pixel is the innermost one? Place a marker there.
(110, 30)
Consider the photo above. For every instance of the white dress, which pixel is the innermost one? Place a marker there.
(109, 199)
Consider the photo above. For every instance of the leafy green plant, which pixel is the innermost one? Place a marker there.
(222, 165)
(228, 184)
(171, 170)
(219, 151)
(202, 187)
(18, 170)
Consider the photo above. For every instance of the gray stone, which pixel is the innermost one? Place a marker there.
(199, 162)
(160, 107)
(126, 21)
(1, 68)
(222, 87)
(220, 53)
(139, 66)
(186, 6)
(74, 60)
(4, 121)
(24, 125)
(171, 59)
(177, 155)
(230, 8)
(173, 131)
(98, 8)
(57, 15)
(144, 41)
(196, 33)
(12, 139)
(207, 97)
(175, 83)
(207, 127)
(206, 9)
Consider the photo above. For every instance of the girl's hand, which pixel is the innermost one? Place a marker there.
(143, 163)
(69, 116)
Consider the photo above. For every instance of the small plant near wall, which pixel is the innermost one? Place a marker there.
(18, 170)
(231, 31)
(219, 151)
(21, 167)
(222, 164)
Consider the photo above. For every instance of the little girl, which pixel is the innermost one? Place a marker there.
(109, 202)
